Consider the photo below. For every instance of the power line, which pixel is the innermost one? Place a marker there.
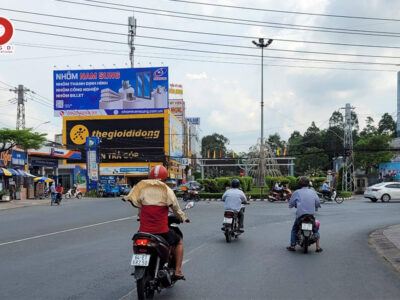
(207, 43)
(206, 33)
(212, 52)
(212, 61)
(288, 12)
(227, 20)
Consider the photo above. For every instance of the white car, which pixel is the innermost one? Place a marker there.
(383, 191)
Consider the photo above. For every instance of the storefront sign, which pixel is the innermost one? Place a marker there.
(18, 158)
(124, 170)
(5, 158)
(111, 91)
(44, 163)
(193, 121)
(122, 139)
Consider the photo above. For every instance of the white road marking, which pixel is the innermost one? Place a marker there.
(63, 231)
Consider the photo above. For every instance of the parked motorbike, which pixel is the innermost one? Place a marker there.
(73, 194)
(154, 261)
(230, 225)
(305, 234)
(192, 194)
(273, 195)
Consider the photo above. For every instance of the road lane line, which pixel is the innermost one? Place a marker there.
(63, 231)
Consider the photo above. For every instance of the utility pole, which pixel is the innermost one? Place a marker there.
(261, 174)
(348, 167)
(20, 91)
(131, 38)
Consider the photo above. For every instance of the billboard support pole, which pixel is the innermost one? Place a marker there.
(131, 38)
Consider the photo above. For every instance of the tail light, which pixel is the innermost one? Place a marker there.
(141, 242)
(375, 190)
(228, 214)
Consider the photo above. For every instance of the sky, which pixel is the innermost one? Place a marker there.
(223, 90)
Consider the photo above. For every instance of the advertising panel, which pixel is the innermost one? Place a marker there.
(389, 171)
(122, 139)
(177, 108)
(18, 158)
(193, 121)
(125, 170)
(175, 139)
(110, 91)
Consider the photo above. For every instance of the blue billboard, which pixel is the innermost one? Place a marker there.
(110, 91)
(389, 171)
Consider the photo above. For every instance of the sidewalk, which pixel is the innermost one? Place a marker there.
(22, 203)
(386, 242)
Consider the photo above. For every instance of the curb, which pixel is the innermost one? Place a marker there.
(384, 247)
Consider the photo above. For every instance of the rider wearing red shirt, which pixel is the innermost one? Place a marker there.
(153, 198)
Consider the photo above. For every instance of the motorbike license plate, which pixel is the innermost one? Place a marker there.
(228, 220)
(140, 260)
(306, 226)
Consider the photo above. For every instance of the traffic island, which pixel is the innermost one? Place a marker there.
(386, 242)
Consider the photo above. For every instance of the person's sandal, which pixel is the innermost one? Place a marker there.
(179, 277)
(319, 250)
(291, 248)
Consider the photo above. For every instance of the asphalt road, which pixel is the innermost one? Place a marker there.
(82, 250)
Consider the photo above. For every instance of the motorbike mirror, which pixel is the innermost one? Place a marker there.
(189, 205)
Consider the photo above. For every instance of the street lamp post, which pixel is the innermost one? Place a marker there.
(261, 180)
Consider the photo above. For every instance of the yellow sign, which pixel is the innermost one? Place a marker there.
(78, 134)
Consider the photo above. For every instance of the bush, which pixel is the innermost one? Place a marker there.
(345, 194)
(196, 175)
(293, 183)
(210, 185)
(223, 183)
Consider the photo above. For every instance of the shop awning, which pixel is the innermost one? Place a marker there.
(28, 174)
(42, 179)
(5, 172)
(13, 172)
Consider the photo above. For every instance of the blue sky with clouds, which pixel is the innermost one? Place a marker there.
(225, 96)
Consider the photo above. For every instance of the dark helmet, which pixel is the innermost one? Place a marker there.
(235, 183)
(304, 181)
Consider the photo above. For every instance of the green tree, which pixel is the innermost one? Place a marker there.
(311, 161)
(215, 142)
(312, 136)
(275, 142)
(372, 151)
(387, 125)
(295, 143)
(369, 130)
(333, 141)
(336, 119)
(24, 139)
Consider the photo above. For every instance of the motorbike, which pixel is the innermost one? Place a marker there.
(273, 195)
(230, 224)
(73, 193)
(305, 234)
(333, 197)
(56, 199)
(191, 194)
(154, 261)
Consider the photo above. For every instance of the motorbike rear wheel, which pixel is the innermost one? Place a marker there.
(305, 245)
(79, 196)
(144, 290)
(228, 236)
(339, 199)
